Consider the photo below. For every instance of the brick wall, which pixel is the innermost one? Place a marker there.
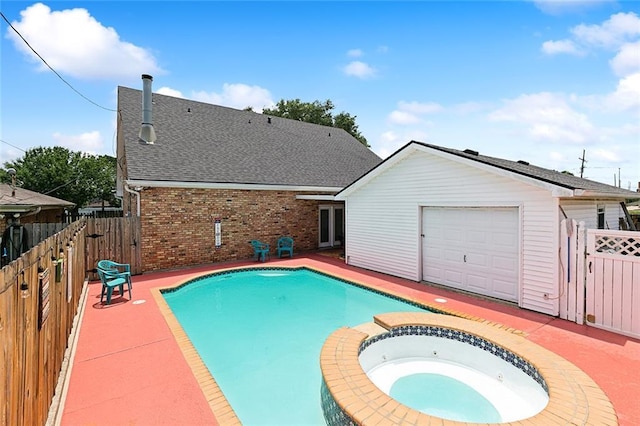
(178, 224)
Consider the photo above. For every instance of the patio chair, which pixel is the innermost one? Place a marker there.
(109, 283)
(285, 245)
(116, 270)
(260, 250)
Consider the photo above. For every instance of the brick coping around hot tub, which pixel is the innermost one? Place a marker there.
(574, 398)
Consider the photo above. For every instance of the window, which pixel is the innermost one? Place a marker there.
(601, 221)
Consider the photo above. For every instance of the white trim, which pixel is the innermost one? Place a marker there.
(220, 185)
(556, 190)
(316, 197)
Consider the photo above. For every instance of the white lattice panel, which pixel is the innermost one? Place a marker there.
(622, 245)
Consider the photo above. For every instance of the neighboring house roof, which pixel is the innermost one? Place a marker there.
(21, 200)
(199, 142)
(576, 186)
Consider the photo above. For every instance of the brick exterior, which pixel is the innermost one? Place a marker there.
(178, 224)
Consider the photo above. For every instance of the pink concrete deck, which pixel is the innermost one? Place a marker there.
(129, 370)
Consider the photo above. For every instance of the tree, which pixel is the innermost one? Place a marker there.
(317, 113)
(71, 176)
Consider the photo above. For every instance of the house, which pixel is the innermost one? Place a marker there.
(20, 206)
(472, 222)
(207, 179)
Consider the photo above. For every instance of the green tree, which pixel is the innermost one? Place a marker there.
(68, 175)
(317, 113)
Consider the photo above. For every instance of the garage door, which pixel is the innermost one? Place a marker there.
(472, 249)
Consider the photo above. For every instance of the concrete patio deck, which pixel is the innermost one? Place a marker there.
(126, 367)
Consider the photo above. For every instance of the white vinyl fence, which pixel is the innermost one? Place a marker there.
(613, 280)
(600, 272)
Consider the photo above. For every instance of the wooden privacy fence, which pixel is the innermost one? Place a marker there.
(39, 298)
(114, 238)
(600, 278)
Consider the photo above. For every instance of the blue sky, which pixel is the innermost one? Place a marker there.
(524, 80)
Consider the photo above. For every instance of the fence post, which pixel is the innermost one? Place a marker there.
(581, 254)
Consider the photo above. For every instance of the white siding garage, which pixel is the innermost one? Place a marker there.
(472, 249)
(470, 222)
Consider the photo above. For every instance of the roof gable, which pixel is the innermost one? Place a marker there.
(560, 183)
(199, 142)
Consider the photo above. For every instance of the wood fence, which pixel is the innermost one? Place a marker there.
(39, 298)
(114, 238)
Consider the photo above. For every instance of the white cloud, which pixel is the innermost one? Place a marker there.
(410, 112)
(238, 96)
(607, 155)
(74, 43)
(626, 95)
(403, 118)
(168, 91)
(546, 116)
(557, 7)
(613, 32)
(355, 53)
(90, 142)
(359, 69)
(420, 108)
(627, 61)
(561, 46)
(390, 141)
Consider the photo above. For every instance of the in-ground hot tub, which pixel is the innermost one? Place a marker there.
(498, 371)
(453, 375)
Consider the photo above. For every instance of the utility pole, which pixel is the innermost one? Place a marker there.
(618, 177)
(582, 165)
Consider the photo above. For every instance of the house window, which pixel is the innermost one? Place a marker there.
(601, 222)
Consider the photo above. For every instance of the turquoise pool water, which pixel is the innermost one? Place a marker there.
(444, 397)
(260, 333)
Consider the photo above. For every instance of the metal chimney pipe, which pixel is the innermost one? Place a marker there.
(147, 133)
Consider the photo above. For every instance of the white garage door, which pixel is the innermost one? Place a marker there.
(472, 249)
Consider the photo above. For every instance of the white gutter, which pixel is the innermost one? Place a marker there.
(137, 194)
(223, 185)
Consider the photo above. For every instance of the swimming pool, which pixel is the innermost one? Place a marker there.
(260, 332)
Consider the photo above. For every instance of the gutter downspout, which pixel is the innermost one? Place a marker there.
(137, 194)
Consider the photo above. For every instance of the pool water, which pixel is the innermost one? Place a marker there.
(260, 332)
(444, 397)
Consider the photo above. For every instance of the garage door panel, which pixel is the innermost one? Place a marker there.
(505, 289)
(474, 249)
(477, 283)
(477, 260)
(453, 277)
(504, 263)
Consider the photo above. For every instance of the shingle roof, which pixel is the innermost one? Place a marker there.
(199, 142)
(550, 176)
(26, 198)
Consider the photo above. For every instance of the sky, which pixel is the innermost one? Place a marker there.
(540, 81)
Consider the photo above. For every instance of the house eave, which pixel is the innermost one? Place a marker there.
(223, 185)
(586, 194)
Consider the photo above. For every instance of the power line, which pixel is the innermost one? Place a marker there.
(11, 145)
(54, 71)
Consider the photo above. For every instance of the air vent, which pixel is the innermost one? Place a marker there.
(470, 152)
(526, 163)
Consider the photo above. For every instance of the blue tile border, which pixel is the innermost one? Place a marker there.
(479, 342)
(303, 268)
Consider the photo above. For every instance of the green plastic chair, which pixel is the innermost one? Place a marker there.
(260, 250)
(116, 270)
(285, 245)
(109, 283)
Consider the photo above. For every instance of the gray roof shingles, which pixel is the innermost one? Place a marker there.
(200, 142)
(546, 175)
